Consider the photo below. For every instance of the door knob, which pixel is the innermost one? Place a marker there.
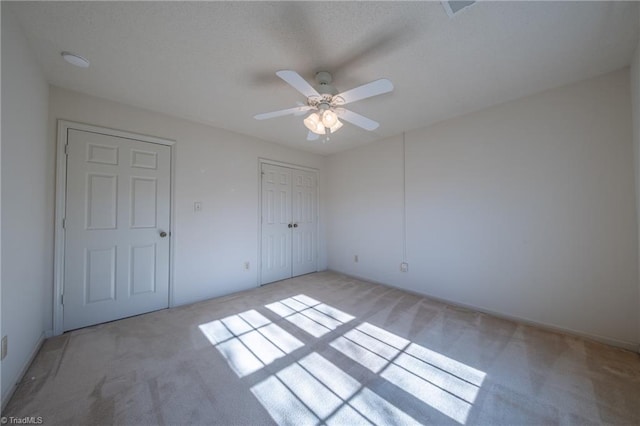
(290, 226)
(163, 234)
(295, 225)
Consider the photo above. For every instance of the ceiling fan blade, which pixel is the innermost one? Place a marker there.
(303, 109)
(295, 111)
(312, 136)
(298, 83)
(368, 90)
(357, 119)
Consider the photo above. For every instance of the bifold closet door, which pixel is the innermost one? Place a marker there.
(289, 223)
(276, 217)
(304, 245)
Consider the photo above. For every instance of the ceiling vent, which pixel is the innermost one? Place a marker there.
(453, 7)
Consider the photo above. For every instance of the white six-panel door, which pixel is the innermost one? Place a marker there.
(116, 228)
(289, 223)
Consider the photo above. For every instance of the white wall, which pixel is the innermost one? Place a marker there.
(27, 203)
(526, 209)
(1, 393)
(364, 200)
(213, 166)
(635, 102)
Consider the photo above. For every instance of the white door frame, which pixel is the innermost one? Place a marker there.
(61, 189)
(262, 161)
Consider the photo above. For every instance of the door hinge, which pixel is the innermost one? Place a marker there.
(66, 149)
(62, 299)
(64, 223)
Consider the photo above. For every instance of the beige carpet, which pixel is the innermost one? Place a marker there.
(325, 348)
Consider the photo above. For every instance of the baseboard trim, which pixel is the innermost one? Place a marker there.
(634, 347)
(7, 396)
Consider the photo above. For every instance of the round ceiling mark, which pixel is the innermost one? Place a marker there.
(76, 60)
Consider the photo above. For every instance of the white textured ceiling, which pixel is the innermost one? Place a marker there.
(215, 62)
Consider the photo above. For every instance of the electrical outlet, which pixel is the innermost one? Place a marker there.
(404, 267)
(4, 347)
(355, 258)
(247, 266)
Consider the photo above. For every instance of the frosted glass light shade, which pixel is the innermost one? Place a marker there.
(336, 126)
(313, 123)
(329, 118)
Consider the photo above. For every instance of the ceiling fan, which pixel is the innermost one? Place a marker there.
(327, 104)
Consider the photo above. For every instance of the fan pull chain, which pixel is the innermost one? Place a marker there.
(327, 132)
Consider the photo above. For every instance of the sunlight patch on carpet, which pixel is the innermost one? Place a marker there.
(314, 390)
(310, 315)
(249, 341)
(447, 385)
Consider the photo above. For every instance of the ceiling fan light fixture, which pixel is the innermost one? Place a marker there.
(318, 126)
(327, 104)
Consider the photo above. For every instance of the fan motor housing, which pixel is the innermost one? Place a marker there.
(324, 87)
